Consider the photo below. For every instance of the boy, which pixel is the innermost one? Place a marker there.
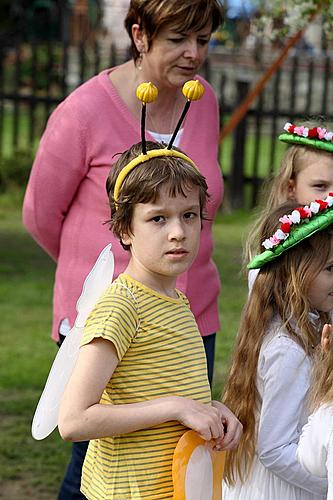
(142, 359)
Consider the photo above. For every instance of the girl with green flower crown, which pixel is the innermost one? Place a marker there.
(290, 302)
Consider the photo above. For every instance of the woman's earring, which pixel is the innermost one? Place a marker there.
(139, 61)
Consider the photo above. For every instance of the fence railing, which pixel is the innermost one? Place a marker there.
(301, 90)
(35, 77)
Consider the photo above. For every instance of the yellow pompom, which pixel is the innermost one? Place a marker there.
(146, 92)
(193, 90)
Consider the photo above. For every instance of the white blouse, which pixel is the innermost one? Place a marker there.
(283, 376)
(315, 447)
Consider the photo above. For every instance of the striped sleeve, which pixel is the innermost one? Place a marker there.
(114, 318)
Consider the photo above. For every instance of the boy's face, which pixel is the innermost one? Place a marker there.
(165, 237)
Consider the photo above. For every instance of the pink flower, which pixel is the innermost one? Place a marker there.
(321, 132)
(274, 240)
(302, 131)
(284, 219)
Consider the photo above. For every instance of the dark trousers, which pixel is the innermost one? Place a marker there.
(209, 345)
(70, 488)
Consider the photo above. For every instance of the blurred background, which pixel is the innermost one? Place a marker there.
(49, 47)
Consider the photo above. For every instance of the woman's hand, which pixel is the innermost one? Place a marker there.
(233, 428)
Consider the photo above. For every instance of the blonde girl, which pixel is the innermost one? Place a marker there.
(315, 448)
(305, 174)
(268, 382)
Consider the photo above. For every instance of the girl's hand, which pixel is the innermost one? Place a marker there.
(203, 418)
(233, 428)
(326, 337)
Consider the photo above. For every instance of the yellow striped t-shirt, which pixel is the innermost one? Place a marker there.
(160, 354)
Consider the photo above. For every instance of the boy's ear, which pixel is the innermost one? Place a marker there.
(126, 239)
(291, 189)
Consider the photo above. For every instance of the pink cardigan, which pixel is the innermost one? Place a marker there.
(66, 205)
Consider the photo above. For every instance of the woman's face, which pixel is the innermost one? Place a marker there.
(175, 57)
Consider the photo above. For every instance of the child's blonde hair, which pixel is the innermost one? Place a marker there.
(277, 190)
(281, 288)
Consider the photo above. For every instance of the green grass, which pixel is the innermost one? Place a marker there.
(263, 167)
(8, 147)
(31, 469)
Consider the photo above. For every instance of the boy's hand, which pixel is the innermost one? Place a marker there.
(202, 418)
(233, 429)
(326, 337)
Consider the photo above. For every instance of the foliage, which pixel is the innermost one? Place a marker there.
(281, 18)
(14, 171)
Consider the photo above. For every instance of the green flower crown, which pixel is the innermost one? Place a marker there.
(315, 137)
(302, 223)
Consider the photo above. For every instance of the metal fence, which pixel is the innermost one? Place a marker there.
(301, 90)
(35, 77)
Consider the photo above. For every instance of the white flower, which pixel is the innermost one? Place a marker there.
(295, 216)
(281, 235)
(287, 125)
(328, 136)
(267, 244)
(329, 200)
(314, 207)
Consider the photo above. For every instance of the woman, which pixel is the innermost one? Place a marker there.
(102, 118)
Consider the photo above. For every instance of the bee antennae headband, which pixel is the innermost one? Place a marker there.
(147, 93)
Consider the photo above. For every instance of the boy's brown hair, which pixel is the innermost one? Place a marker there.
(143, 183)
(183, 15)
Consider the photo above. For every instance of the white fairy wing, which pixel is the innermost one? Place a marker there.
(46, 415)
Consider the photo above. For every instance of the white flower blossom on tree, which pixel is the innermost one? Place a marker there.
(281, 18)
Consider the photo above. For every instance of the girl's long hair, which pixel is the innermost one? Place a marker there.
(281, 288)
(322, 378)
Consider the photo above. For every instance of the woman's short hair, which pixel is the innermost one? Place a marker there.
(143, 183)
(185, 15)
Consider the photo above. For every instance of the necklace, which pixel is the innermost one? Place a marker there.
(163, 119)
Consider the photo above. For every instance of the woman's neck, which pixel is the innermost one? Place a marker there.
(163, 114)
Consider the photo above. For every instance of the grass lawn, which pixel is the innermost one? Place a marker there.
(31, 469)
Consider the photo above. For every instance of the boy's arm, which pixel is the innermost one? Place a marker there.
(82, 417)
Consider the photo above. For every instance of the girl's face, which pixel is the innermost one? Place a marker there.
(314, 181)
(175, 56)
(321, 291)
